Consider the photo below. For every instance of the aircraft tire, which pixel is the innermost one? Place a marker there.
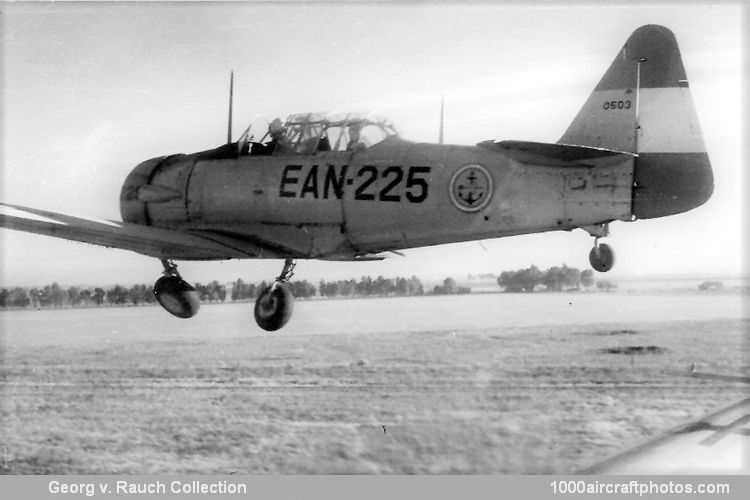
(274, 307)
(177, 296)
(602, 257)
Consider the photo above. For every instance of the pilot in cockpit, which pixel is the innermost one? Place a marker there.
(279, 142)
(324, 144)
(354, 143)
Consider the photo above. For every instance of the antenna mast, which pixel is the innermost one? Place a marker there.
(442, 108)
(231, 93)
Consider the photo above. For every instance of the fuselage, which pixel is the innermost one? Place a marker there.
(394, 195)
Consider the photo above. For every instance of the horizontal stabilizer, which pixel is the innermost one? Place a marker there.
(552, 155)
(715, 444)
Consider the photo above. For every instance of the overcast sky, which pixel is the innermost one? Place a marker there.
(89, 91)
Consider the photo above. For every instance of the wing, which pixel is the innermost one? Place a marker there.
(718, 443)
(152, 241)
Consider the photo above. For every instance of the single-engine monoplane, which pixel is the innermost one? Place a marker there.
(347, 187)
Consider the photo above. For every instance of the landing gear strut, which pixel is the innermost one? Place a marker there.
(174, 294)
(601, 257)
(275, 304)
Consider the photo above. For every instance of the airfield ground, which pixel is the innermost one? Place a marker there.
(490, 383)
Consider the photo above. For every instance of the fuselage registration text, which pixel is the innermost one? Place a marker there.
(328, 181)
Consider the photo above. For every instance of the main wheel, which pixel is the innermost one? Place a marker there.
(177, 296)
(274, 307)
(602, 257)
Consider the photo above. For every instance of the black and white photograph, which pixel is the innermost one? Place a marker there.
(373, 238)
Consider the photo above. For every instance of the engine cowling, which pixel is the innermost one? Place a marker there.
(154, 193)
(132, 209)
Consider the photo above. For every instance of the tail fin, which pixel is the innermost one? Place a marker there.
(643, 105)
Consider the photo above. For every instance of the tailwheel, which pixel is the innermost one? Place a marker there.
(602, 257)
(175, 295)
(275, 304)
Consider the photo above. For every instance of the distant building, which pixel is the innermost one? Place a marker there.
(711, 286)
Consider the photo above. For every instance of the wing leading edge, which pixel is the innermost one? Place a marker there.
(147, 240)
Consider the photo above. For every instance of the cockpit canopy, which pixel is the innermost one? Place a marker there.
(308, 133)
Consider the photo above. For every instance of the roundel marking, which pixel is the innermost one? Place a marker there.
(471, 188)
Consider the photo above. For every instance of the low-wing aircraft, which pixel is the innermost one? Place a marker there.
(347, 187)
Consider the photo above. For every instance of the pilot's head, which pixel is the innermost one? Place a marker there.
(354, 131)
(276, 127)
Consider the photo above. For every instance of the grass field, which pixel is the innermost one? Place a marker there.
(492, 384)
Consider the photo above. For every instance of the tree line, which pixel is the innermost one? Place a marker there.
(368, 287)
(365, 287)
(54, 295)
(522, 280)
(555, 279)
